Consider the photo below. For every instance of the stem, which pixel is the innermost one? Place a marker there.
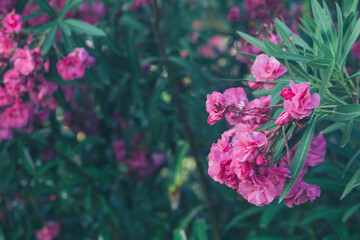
(182, 116)
(346, 88)
(333, 97)
(268, 107)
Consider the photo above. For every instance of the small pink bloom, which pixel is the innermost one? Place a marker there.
(247, 146)
(283, 119)
(12, 22)
(260, 160)
(215, 106)
(219, 42)
(197, 25)
(184, 53)
(258, 103)
(15, 83)
(18, 115)
(24, 62)
(6, 134)
(302, 103)
(5, 98)
(266, 68)
(301, 193)
(207, 52)
(92, 12)
(236, 100)
(234, 14)
(287, 94)
(119, 148)
(158, 159)
(73, 66)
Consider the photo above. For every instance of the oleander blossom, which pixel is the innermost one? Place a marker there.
(266, 68)
(73, 66)
(298, 101)
(234, 15)
(49, 231)
(92, 12)
(12, 22)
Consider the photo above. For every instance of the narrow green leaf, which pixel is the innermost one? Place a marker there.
(190, 216)
(280, 144)
(69, 5)
(27, 161)
(326, 81)
(333, 127)
(242, 216)
(346, 112)
(269, 214)
(323, 214)
(350, 6)
(340, 28)
(354, 181)
(299, 158)
(272, 48)
(297, 39)
(83, 27)
(347, 133)
(49, 40)
(323, 63)
(33, 14)
(350, 212)
(350, 41)
(352, 159)
(43, 4)
(253, 41)
(199, 230)
(179, 234)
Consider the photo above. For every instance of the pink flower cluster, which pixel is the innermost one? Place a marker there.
(140, 163)
(73, 66)
(235, 107)
(49, 231)
(298, 102)
(234, 15)
(263, 10)
(23, 79)
(242, 159)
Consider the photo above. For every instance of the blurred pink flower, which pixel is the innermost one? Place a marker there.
(234, 14)
(24, 61)
(92, 12)
(12, 22)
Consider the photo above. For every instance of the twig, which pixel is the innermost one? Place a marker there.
(286, 144)
(183, 118)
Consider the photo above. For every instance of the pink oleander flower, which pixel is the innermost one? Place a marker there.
(119, 149)
(37, 56)
(6, 45)
(302, 103)
(12, 22)
(248, 146)
(207, 52)
(263, 188)
(234, 14)
(219, 42)
(356, 50)
(6, 134)
(258, 103)
(18, 115)
(220, 168)
(301, 193)
(24, 61)
(92, 12)
(5, 98)
(73, 66)
(236, 100)
(283, 119)
(215, 106)
(15, 83)
(50, 230)
(266, 68)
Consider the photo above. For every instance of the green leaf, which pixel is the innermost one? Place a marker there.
(352, 159)
(27, 161)
(299, 158)
(253, 41)
(333, 127)
(69, 5)
(354, 181)
(347, 133)
(350, 6)
(49, 40)
(298, 40)
(44, 5)
(241, 216)
(346, 112)
(44, 169)
(190, 216)
(199, 230)
(33, 14)
(280, 144)
(324, 63)
(179, 234)
(350, 41)
(323, 214)
(326, 81)
(340, 28)
(350, 212)
(269, 214)
(83, 27)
